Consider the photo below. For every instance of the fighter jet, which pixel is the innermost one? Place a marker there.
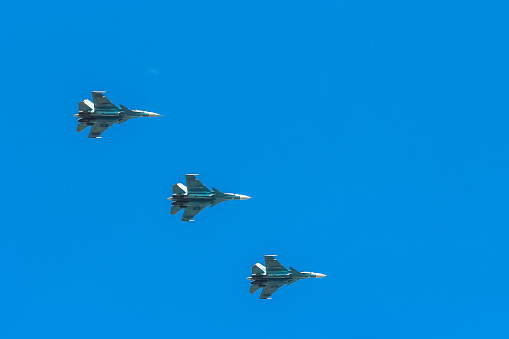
(102, 114)
(274, 275)
(196, 196)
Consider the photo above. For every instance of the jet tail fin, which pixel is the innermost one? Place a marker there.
(258, 269)
(179, 189)
(175, 209)
(86, 106)
(254, 288)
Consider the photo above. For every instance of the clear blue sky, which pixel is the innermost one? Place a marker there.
(372, 136)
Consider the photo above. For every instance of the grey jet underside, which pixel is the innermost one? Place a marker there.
(274, 275)
(102, 114)
(194, 197)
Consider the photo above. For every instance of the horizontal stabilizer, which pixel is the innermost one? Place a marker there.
(179, 189)
(258, 269)
(174, 209)
(81, 127)
(254, 288)
(86, 106)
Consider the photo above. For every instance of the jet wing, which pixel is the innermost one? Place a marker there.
(191, 211)
(268, 290)
(194, 185)
(98, 128)
(101, 102)
(273, 265)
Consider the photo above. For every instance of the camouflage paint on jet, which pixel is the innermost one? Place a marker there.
(274, 275)
(102, 113)
(196, 196)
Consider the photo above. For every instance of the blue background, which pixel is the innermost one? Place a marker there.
(372, 136)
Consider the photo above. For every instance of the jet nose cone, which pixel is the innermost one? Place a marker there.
(320, 275)
(244, 197)
(151, 114)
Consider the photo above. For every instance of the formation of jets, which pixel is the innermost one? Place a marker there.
(192, 197)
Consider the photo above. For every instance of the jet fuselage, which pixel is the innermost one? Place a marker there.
(260, 278)
(200, 198)
(113, 115)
